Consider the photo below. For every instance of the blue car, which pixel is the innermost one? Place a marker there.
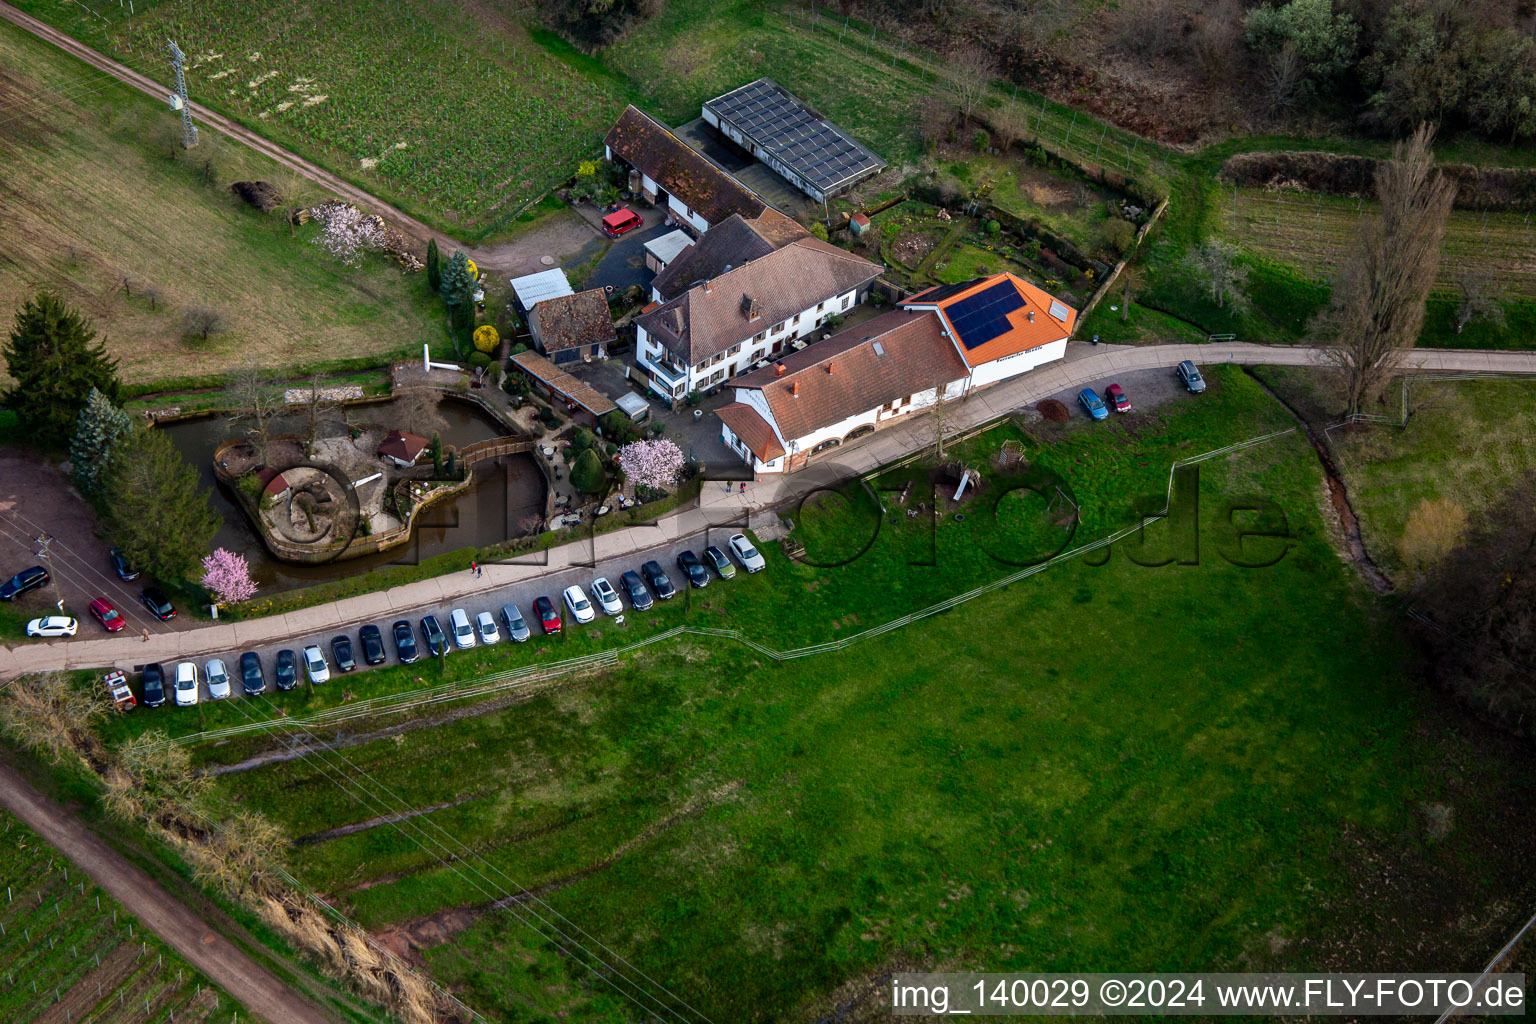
(1092, 404)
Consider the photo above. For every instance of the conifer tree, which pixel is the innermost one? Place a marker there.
(434, 266)
(54, 364)
(99, 429)
(158, 510)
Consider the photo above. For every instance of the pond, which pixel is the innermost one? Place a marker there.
(504, 492)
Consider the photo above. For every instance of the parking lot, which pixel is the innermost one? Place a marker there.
(521, 594)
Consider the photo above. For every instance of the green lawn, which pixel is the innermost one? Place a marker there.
(1467, 442)
(1104, 765)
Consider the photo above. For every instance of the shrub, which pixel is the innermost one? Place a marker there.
(582, 440)
(519, 349)
(819, 230)
(486, 338)
(587, 473)
(694, 397)
(1119, 235)
(993, 227)
(981, 140)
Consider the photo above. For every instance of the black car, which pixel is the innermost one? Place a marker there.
(437, 641)
(341, 650)
(154, 685)
(405, 642)
(285, 673)
(125, 572)
(373, 645)
(638, 595)
(158, 604)
(27, 579)
(658, 580)
(693, 569)
(251, 677)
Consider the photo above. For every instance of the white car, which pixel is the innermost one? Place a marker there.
(186, 683)
(53, 625)
(463, 632)
(218, 679)
(489, 634)
(315, 666)
(576, 601)
(606, 597)
(745, 553)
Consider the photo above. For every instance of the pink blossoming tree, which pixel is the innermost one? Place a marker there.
(654, 464)
(347, 232)
(227, 577)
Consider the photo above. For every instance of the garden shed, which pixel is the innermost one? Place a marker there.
(661, 251)
(636, 408)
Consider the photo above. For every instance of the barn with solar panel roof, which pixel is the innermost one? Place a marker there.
(1001, 325)
(812, 153)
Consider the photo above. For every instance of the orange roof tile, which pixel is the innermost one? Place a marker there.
(746, 424)
(1041, 319)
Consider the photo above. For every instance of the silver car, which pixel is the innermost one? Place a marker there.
(218, 679)
(315, 666)
(489, 634)
(186, 683)
(463, 632)
(745, 553)
(1190, 375)
(606, 597)
(517, 626)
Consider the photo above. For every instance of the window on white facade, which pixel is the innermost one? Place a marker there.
(847, 301)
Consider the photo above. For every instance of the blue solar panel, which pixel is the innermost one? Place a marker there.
(984, 316)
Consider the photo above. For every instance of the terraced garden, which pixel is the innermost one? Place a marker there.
(69, 952)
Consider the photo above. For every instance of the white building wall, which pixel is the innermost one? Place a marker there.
(1012, 366)
(686, 215)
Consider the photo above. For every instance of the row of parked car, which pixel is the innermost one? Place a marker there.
(101, 609)
(1115, 397)
(642, 589)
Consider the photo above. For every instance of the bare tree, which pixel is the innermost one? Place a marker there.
(1130, 284)
(52, 715)
(971, 70)
(935, 119)
(253, 401)
(318, 407)
(1010, 123)
(1377, 307)
(1282, 78)
(1480, 299)
(202, 321)
(418, 409)
(1220, 266)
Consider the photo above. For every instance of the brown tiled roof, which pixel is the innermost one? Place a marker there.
(746, 424)
(400, 445)
(843, 376)
(731, 243)
(575, 321)
(572, 388)
(708, 318)
(645, 143)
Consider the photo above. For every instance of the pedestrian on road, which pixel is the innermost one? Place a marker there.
(743, 488)
(474, 569)
(479, 571)
(144, 635)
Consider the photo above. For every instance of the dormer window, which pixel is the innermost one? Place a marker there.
(750, 308)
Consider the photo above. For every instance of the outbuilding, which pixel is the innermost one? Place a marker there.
(533, 289)
(661, 251)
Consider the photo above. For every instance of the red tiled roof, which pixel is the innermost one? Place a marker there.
(1024, 332)
(646, 144)
(398, 444)
(831, 380)
(711, 317)
(272, 481)
(575, 321)
(746, 424)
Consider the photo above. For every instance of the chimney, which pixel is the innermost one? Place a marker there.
(1030, 316)
(706, 286)
(778, 369)
(829, 367)
(794, 388)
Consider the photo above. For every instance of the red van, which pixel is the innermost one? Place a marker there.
(620, 221)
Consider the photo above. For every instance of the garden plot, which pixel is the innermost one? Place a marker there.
(1313, 232)
(69, 952)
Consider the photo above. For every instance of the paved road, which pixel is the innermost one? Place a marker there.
(521, 255)
(162, 913)
(716, 512)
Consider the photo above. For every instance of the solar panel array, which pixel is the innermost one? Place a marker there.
(984, 316)
(781, 125)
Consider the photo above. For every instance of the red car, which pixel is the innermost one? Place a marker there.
(1115, 396)
(107, 614)
(620, 221)
(549, 618)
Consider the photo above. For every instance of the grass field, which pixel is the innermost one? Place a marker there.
(70, 952)
(1313, 231)
(90, 198)
(1468, 442)
(1161, 766)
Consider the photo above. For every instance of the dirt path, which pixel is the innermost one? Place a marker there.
(558, 239)
(239, 975)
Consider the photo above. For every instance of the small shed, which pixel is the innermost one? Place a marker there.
(533, 289)
(636, 408)
(858, 224)
(402, 449)
(573, 328)
(661, 251)
(273, 484)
